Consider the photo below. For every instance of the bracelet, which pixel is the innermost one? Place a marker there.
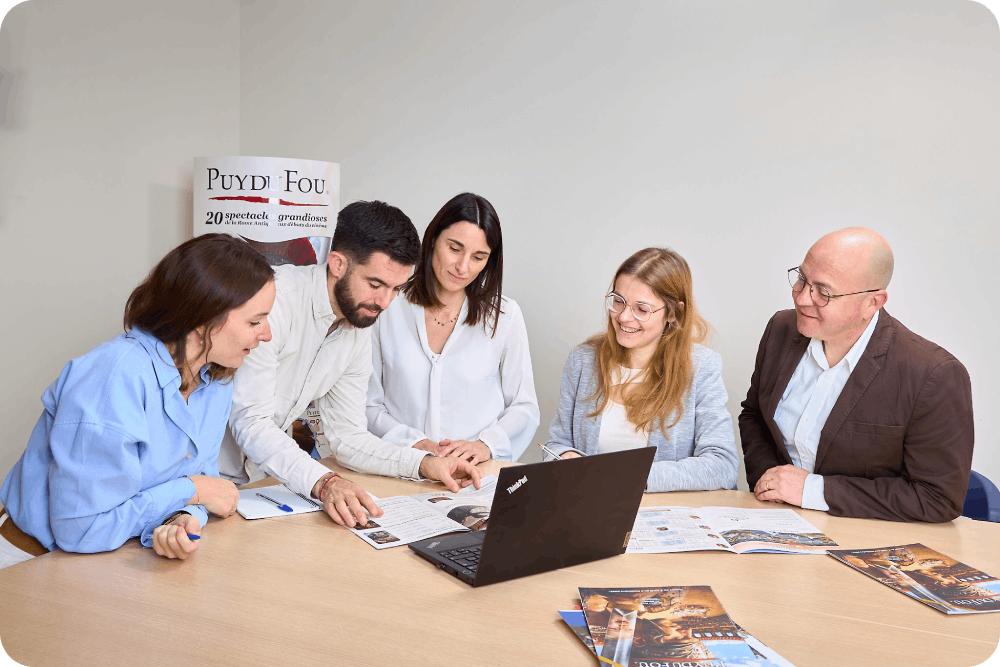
(319, 495)
(173, 516)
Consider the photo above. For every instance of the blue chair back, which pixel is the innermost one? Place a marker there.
(982, 501)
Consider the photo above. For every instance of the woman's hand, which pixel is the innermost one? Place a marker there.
(473, 452)
(428, 445)
(219, 496)
(570, 455)
(171, 540)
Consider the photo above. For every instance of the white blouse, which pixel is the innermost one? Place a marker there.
(478, 388)
(617, 432)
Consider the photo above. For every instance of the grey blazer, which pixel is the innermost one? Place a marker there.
(700, 454)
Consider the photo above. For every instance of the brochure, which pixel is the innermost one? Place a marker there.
(677, 626)
(659, 530)
(928, 576)
(766, 656)
(412, 518)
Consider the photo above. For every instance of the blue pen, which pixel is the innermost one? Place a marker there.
(193, 537)
(283, 508)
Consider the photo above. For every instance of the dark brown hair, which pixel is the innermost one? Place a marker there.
(196, 285)
(483, 292)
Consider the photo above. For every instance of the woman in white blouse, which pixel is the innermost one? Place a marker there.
(452, 374)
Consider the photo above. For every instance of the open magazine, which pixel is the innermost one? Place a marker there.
(677, 626)
(660, 530)
(413, 518)
(928, 576)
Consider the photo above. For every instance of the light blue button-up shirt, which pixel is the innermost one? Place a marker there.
(109, 456)
(806, 404)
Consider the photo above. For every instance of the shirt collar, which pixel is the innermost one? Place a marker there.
(853, 355)
(322, 310)
(163, 363)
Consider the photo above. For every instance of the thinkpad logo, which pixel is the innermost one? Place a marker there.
(517, 485)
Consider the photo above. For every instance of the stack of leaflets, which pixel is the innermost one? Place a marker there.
(677, 626)
(413, 518)
(928, 576)
(659, 530)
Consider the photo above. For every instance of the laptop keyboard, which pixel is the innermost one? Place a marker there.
(466, 558)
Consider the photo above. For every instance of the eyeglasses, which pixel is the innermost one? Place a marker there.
(640, 311)
(820, 295)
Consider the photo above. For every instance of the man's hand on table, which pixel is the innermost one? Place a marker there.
(453, 472)
(782, 483)
(344, 500)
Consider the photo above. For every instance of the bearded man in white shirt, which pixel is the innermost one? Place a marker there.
(848, 410)
(320, 350)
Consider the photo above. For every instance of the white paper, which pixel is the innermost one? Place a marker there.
(252, 506)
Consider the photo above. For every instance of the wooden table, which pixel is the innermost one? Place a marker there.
(303, 591)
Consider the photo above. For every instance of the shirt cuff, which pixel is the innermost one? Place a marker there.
(197, 511)
(813, 497)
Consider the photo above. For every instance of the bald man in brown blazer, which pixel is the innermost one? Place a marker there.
(849, 411)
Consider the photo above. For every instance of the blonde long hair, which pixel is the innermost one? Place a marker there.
(660, 390)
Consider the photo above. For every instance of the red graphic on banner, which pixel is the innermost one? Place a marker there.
(261, 200)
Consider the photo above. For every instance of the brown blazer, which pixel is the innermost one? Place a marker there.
(898, 442)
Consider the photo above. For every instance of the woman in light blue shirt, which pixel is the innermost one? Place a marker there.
(128, 442)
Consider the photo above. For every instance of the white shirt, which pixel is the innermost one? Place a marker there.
(478, 388)
(301, 363)
(805, 406)
(617, 432)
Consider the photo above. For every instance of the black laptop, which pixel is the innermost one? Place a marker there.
(549, 515)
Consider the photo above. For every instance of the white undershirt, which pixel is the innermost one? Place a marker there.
(617, 432)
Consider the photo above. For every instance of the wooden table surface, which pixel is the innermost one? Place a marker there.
(302, 591)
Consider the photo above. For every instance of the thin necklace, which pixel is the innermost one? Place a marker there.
(446, 323)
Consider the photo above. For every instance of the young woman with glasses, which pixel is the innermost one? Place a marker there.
(648, 381)
(128, 442)
(452, 374)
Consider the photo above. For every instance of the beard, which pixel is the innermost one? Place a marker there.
(351, 308)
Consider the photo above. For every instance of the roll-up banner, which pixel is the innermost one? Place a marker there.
(285, 208)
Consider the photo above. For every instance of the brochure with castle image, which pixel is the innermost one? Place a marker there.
(928, 576)
(412, 518)
(766, 656)
(676, 626)
(659, 530)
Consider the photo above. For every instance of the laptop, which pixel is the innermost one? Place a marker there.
(549, 515)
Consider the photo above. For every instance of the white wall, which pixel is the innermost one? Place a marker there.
(737, 133)
(111, 101)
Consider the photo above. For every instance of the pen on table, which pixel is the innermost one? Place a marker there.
(308, 500)
(282, 507)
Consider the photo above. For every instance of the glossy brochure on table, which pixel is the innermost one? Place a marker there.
(927, 576)
(676, 529)
(413, 518)
(676, 626)
(577, 622)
